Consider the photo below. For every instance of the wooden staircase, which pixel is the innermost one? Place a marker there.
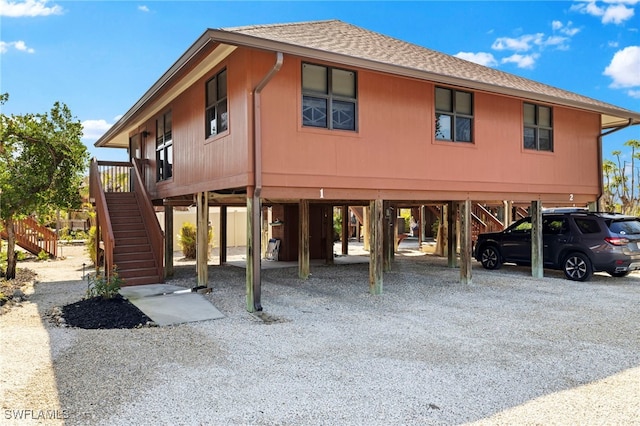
(132, 254)
(33, 237)
(130, 235)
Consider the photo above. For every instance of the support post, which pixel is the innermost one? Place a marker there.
(328, 214)
(389, 240)
(303, 247)
(465, 242)
(376, 232)
(253, 276)
(508, 213)
(537, 258)
(168, 240)
(346, 229)
(202, 238)
(452, 242)
(222, 238)
(366, 232)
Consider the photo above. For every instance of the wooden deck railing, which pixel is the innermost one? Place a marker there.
(104, 231)
(32, 236)
(115, 176)
(149, 218)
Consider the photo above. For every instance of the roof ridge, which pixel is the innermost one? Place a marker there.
(280, 24)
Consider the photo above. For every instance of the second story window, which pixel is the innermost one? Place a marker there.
(328, 97)
(538, 128)
(454, 115)
(164, 147)
(217, 114)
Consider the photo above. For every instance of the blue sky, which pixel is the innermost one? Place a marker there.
(99, 57)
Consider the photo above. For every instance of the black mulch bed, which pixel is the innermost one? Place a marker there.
(101, 313)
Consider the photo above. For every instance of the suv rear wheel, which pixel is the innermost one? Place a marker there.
(577, 267)
(490, 258)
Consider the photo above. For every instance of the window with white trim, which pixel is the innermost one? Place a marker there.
(329, 97)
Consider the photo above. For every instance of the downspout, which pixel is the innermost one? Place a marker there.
(257, 179)
(600, 161)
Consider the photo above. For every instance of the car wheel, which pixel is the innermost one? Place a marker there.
(577, 267)
(490, 258)
(619, 274)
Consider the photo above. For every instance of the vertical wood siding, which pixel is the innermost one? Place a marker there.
(394, 147)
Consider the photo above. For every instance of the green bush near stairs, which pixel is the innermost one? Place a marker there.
(188, 239)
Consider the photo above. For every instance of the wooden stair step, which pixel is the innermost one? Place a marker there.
(125, 220)
(130, 233)
(131, 241)
(126, 265)
(140, 272)
(133, 248)
(124, 257)
(124, 227)
(153, 279)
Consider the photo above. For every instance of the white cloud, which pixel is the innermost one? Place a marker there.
(613, 44)
(143, 8)
(93, 129)
(523, 43)
(617, 14)
(612, 11)
(482, 58)
(17, 45)
(567, 29)
(28, 8)
(624, 68)
(634, 94)
(522, 61)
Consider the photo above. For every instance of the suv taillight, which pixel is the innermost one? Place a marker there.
(617, 241)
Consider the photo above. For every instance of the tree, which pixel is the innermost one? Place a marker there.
(42, 163)
(621, 181)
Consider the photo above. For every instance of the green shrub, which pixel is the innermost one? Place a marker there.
(188, 241)
(43, 255)
(100, 285)
(20, 255)
(91, 245)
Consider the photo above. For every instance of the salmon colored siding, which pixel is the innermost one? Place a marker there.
(392, 149)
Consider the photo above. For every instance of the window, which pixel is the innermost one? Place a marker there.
(588, 226)
(554, 226)
(164, 147)
(328, 92)
(454, 115)
(217, 114)
(538, 129)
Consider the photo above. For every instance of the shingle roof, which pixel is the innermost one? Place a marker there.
(343, 43)
(337, 37)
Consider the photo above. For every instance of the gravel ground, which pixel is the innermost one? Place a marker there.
(508, 349)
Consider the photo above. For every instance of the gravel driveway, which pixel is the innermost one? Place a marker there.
(507, 349)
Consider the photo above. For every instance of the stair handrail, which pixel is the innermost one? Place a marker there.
(102, 212)
(32, 236)
(49, 241)
(156, 235)
(490, 216)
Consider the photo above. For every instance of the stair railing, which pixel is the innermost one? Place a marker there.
(149, 217)
(32, 236)
(96, 191)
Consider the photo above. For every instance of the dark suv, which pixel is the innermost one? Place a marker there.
(578, 243)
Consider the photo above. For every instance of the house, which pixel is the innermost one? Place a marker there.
(304, 116)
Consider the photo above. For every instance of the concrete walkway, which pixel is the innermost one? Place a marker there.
(168, 304)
